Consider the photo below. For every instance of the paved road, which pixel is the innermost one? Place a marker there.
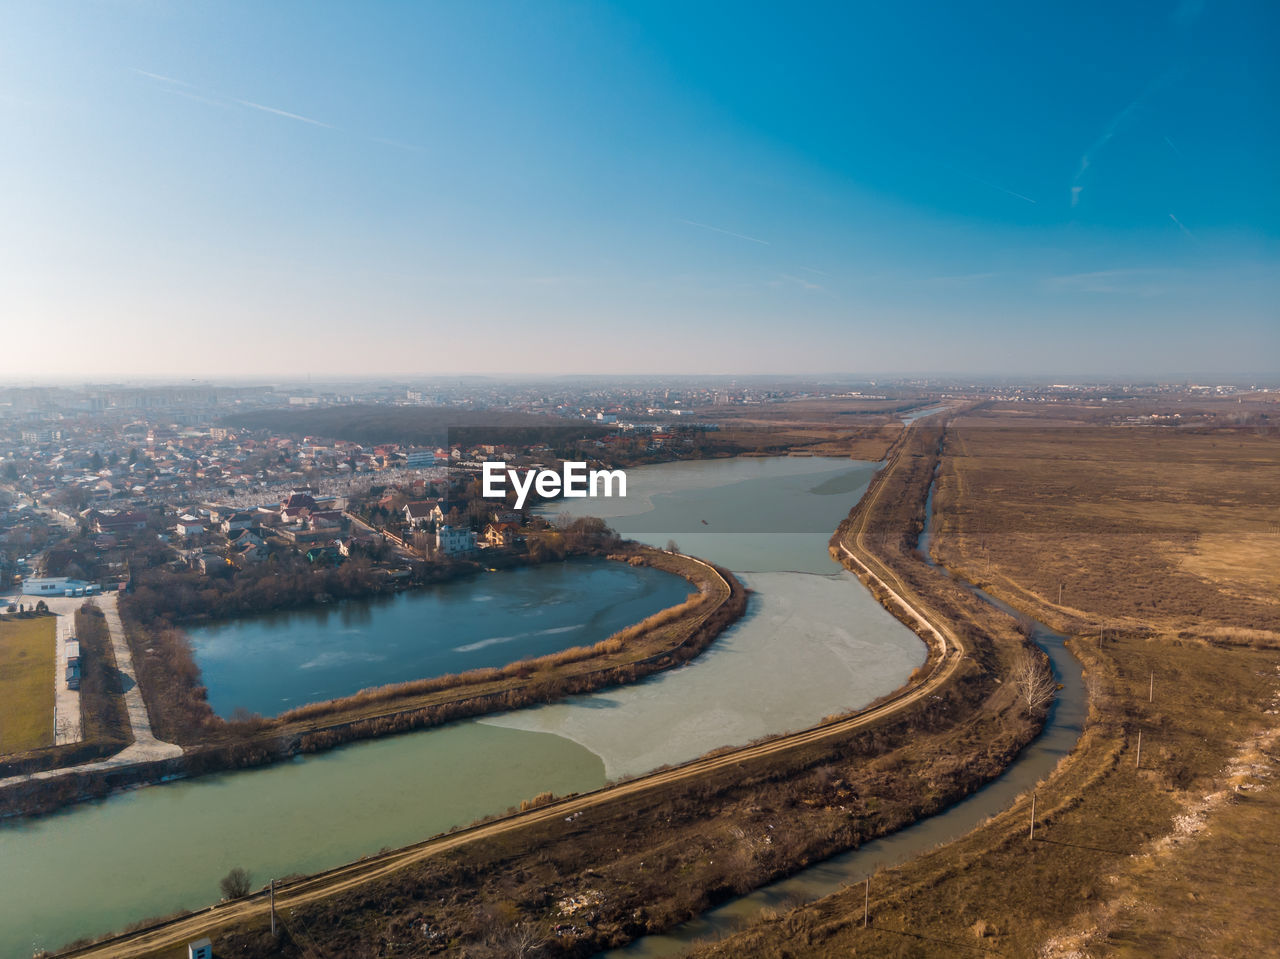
(145, 747)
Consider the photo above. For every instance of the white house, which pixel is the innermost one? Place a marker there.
(455, 540)
(421, 513)
(234, 522)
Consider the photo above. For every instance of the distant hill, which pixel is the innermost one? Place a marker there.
(415, 425)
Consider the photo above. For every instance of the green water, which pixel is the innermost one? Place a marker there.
(813, 642)
(98, 867)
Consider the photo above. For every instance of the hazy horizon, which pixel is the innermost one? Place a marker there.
(1258, 379)
(270, 192)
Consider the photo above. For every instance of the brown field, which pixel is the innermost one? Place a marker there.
(860, 429)
(823, 413)
(1159, 534)
(1240, 563)
(27, 659)
(871, 444)
(746, 438)
(1102, 876)
(1141, 528)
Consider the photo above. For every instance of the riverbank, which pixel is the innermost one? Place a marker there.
(813, 643)
(1156, 832)
(600, 870)
(665, 640)
(1106, 825)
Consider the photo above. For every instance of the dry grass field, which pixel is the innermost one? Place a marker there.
(27, 657)
(1127, 860)
(1165, 529)
(1165, 536)
(860, 429)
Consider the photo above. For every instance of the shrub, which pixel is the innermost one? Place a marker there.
(235, 884)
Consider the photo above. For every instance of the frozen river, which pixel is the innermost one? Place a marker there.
(814, 642)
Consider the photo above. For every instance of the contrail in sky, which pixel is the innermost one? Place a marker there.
(1182, 226)
(995, 186)
(188, 90)
(716, 229)
(159, 76)
(282, 113)
(244, 103)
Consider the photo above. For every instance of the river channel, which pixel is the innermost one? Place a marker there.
(813, 642)
(1061, 731)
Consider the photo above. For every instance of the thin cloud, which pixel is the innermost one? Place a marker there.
(1133, 282)
(1013, 193)
(397, 144)
(226, 101)
(1089, 155)
(211, 101)
(962, 278)
(559, 280)
(159, 76)
(809, 269)
(716, 229)
(282, 113)
(182, 88)
(787, 278)
(1182, 226)
(1172, 147)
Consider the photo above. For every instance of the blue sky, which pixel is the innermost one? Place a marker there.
(208, 189)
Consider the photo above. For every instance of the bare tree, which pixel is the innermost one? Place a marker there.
(235, 884)
(1034, 681)
(521, 940)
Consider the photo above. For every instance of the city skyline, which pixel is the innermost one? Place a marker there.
(258, 193)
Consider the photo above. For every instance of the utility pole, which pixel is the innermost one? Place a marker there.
(1137, 763)
(1151, 690)
(1059, 594)
(1033, 817)
(273, 908)
(866, 904)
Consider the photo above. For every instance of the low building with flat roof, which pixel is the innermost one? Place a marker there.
(57, 586)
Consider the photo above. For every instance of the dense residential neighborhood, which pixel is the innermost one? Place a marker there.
(98, 480)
